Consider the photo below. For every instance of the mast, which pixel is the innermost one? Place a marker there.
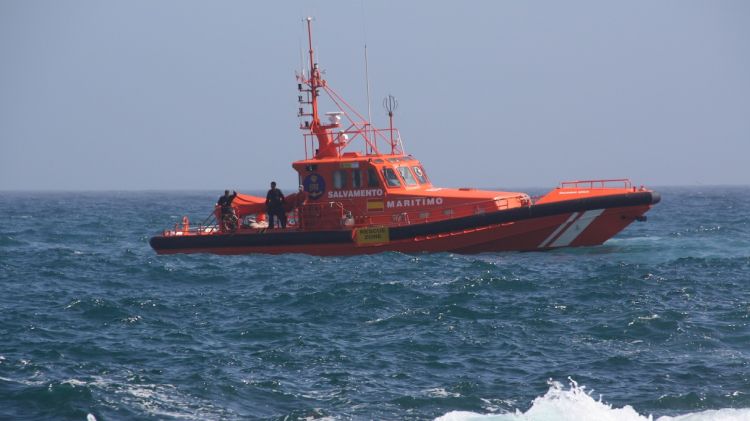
(331, 139)
(314, 76)
(326, 146)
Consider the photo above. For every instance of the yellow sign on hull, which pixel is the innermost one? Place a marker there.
(372, 235)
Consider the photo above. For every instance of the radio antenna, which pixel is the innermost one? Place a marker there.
(390, 104)
(367, 72)
(367, 80)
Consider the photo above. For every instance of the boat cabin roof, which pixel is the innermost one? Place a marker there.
(397, 174)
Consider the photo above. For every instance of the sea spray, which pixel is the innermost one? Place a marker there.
(576, 404)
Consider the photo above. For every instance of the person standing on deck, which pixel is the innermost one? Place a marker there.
(275, 206)
(227, 211)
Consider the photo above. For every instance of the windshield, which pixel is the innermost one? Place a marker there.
(406, 175)
(391, 178)
(421, 176)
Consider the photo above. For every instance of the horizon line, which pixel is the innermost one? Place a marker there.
(161, 190)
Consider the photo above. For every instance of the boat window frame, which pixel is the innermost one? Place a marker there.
(373, 180)
(420, 174)
(396, 178)
(340, 183)
(357, 178)
(406, 175)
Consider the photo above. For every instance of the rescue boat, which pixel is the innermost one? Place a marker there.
(376, 200)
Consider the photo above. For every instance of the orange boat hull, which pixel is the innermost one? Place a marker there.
(566, 223)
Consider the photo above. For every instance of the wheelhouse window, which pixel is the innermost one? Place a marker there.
(339, 179)
(391, 178)
(406, 175)
(356, 178)
(372, 178)
(421, 176)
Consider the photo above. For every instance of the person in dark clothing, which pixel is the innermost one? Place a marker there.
(275, 206)
(228, 217)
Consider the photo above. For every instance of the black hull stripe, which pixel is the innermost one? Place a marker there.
(267, 238)
(298, 238)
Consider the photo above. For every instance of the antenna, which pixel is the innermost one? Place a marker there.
(367, 75)
(315, 80)
(390, 104)
(367, 80)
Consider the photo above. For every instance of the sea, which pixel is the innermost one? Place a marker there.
(652, 325)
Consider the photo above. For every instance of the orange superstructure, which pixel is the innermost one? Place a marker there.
(370, 201)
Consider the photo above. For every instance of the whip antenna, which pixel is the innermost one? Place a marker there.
(390, 104)
(367, 74)
(369, 105)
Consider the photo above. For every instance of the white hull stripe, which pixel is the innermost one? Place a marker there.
(577, 228)
(562, 226)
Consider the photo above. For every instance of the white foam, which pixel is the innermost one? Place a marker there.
(165, 400)
(75, 382)
(439, 392)
(157, 400)
(649, 239)
(726, 414)
(575, 404)
(22, 381)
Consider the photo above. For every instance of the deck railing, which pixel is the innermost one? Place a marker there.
(369, 134)
(616, 183)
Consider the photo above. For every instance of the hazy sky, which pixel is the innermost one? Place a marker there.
(180, 94)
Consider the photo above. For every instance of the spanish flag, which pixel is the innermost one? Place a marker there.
(375, 205)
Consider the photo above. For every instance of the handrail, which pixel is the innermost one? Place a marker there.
(597, 184)
(209, 225)
(353, 131)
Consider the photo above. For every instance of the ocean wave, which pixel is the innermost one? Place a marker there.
(577, 404)
(152, 399)
(10, 241)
